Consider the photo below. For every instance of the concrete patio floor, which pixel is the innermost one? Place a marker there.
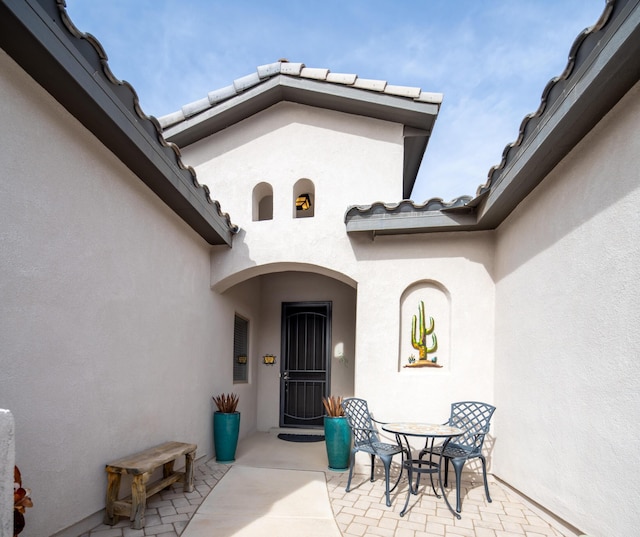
(302, 497)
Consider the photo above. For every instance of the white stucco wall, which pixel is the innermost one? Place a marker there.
(349, 159)
(111, 338)
(567, 346)
(461, 265)
(7, 461)
(352, 160)
(298, 287)
(110, 345)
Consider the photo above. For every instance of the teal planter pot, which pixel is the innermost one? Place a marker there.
(337, 436)
(226, 427)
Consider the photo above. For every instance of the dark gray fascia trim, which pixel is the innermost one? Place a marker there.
(416, 115)
(415, 144)
(408, 217)
(606, 67)
(70, 68)
(409, 224)
(310, 92)
(598, 82)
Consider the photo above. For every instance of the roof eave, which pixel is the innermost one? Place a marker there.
(341, 98)
(408, 217)
(72, 69)
(596, 85)
(439, 221)
(415, 145)
(418, 116)
(570, 108)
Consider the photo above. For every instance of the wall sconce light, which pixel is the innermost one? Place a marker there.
(242, 359)
(269, 359)
(303, 202)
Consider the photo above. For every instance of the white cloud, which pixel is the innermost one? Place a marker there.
(490, 59)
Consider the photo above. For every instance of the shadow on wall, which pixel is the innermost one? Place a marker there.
(596, 175)
(477, 247)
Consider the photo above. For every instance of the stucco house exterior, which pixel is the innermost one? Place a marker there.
(123, 280)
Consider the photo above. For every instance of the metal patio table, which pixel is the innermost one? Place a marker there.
(428, 431)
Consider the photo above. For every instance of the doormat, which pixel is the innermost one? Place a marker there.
(301, 437)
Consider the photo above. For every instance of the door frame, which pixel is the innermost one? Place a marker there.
(285, 309)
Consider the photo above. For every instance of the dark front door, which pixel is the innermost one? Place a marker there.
(304, 368)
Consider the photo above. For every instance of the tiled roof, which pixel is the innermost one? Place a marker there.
(127, 95)
(551, 92)
(297, 70)
(409, 206)
(410, 217)
(438, 215)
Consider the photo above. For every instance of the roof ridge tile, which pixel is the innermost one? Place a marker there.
(221, 94)
(269, 69)
(430, 97)
(195, 107)
(296, 69)
(290, 68)
(402, 91)
(316, 73)
(246, 82)
(370, 84)
(342, 78)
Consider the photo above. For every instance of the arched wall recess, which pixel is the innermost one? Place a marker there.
(425, 327)
(262, 202)
(304, 198)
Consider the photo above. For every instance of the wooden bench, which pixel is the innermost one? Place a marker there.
(141, 466)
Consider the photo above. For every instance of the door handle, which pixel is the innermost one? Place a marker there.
(285, 375)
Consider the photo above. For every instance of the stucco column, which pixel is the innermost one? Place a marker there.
(7, 461)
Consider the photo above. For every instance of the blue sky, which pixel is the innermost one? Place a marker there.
(490, 58)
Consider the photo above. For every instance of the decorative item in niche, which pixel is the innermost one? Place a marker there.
(269, 359)
(420, 343)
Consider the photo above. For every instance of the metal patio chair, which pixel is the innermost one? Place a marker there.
(366, 439)
(474, 418)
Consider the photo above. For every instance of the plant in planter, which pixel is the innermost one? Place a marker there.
(226, 427)
(337, 434)
(21, 500)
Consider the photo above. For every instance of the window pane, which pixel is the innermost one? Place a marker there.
(240, 349)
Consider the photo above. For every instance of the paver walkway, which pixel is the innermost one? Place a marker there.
(359, 513)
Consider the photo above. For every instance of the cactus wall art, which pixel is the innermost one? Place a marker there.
(424, 340)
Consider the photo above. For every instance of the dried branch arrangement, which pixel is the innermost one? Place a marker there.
(226, 403)
(333, 406)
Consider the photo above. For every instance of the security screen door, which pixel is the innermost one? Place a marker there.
(304, 368)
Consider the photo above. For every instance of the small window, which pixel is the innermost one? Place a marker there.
(304, 199)
(265, 208)
(262, 202)
(240, 349)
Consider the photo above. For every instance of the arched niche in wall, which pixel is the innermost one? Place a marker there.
(304, 199)
(434, 343)
(262, 202)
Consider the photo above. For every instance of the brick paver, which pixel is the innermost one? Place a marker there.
(362, 512)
